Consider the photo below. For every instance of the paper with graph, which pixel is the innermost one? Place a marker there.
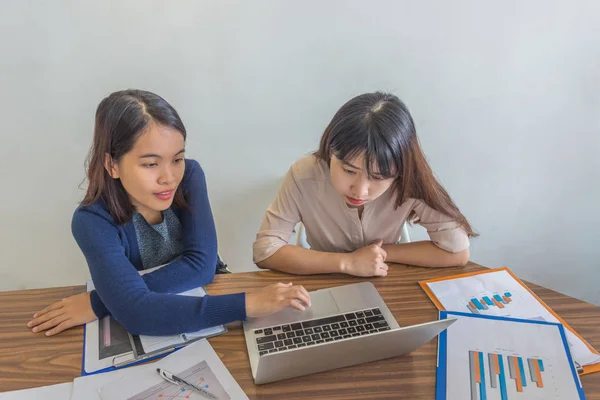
(200, 375)
(493, 358)
(498, 293)
(197, 363)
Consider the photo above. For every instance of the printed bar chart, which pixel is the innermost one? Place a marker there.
(495, 369)
(476, 305)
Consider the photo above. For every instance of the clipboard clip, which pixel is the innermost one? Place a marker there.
(123, 359)
(129, 358)
(578, 367)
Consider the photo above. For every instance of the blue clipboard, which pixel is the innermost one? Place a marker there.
(140, 359)
(442, 369)
(133, 362)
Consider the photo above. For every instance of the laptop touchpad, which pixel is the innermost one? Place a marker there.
(323, 305)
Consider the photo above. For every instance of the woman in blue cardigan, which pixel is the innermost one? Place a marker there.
(145, 206)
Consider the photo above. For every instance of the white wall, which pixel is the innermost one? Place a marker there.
(506, 97)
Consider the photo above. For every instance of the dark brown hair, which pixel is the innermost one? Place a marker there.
(379, 126)
(120, 119)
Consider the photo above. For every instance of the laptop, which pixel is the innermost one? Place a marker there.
(346, 325)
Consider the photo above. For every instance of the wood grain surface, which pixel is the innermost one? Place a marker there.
(30, 360)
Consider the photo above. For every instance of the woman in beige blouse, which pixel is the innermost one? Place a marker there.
(354, 194)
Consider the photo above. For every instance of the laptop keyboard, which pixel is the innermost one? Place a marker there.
(317, 331)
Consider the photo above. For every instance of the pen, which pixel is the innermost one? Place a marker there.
(174, 379)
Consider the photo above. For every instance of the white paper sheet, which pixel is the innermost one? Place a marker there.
(197, 363)
(62, 391)
(86, 387)
(529, 341)
(456, 294)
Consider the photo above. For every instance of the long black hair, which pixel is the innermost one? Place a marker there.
(120, 119)
(380, 126)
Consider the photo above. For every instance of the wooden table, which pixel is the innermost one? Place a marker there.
(30, 360)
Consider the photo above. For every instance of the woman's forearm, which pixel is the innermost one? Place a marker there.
(424, 254)
(301, 261)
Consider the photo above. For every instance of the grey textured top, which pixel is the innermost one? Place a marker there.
(161, 243)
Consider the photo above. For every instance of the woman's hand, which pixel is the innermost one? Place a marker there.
(276, 297)
(67, 313)
(367, 261)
